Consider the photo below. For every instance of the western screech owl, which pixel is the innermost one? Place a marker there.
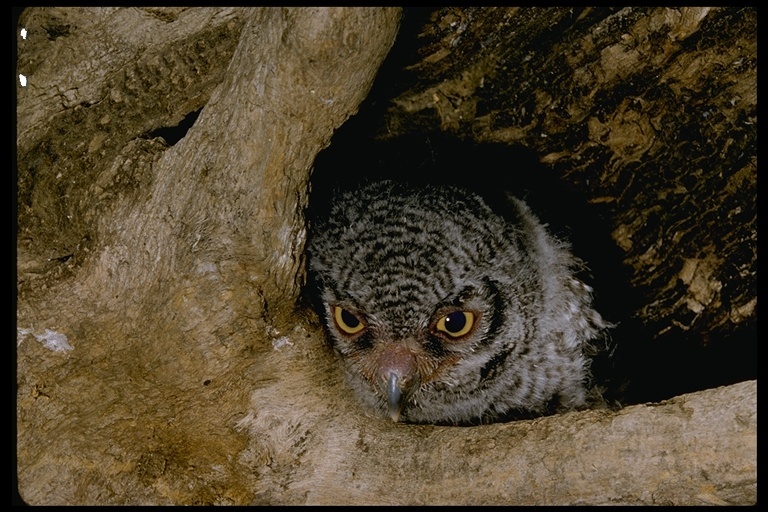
(443, 311)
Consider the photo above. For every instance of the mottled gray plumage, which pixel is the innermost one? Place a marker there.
(443, 311)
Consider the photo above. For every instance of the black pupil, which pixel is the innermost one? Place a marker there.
(349, 319)
(455, 322)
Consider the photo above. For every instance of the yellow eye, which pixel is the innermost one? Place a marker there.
(456, 324)
(346, 322)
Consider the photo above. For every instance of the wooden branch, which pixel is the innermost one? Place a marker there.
(695, 449)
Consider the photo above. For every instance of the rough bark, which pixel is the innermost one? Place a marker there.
(160, 356)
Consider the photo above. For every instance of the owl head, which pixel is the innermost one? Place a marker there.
(430, 299)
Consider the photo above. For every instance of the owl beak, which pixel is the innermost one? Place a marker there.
(394, 397)
(399, 389)
(398, 377)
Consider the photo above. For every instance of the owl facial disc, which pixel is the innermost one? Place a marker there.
(445, 309)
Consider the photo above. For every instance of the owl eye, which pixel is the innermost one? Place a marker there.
(456, 324)
(347, 322)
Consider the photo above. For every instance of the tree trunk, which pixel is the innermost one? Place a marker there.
(161, 355)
